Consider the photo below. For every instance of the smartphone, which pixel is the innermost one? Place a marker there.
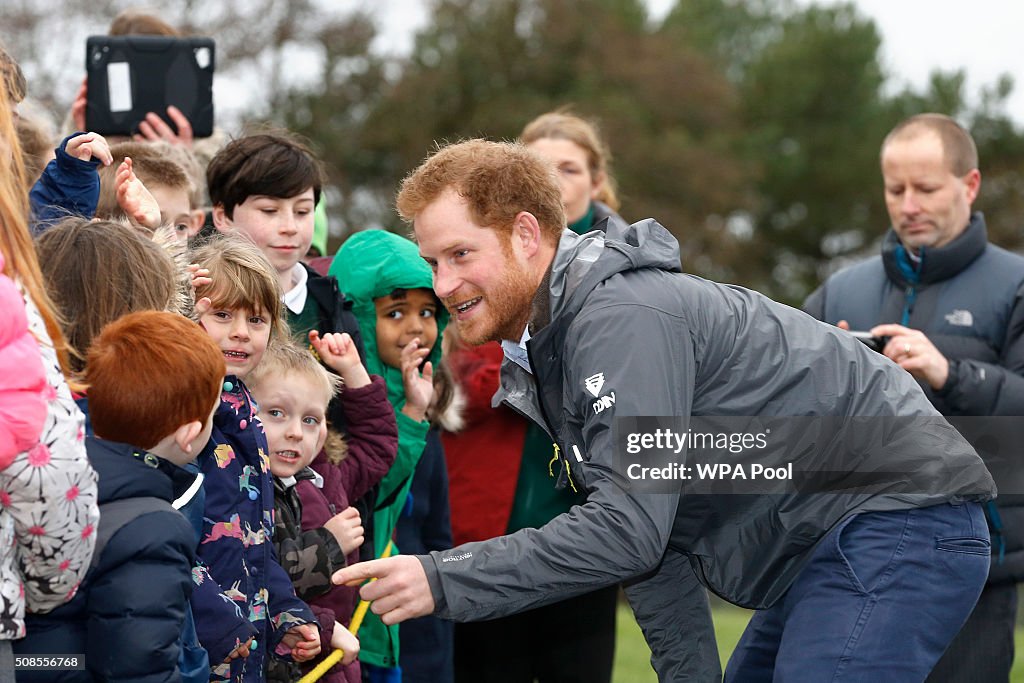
(872, 342)
(130, 76)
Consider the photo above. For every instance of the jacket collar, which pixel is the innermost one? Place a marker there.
(141, 477)
(940, 263)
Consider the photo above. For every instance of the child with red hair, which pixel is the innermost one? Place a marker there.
(154, 384)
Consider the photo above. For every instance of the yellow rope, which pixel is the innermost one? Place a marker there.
(357, 620)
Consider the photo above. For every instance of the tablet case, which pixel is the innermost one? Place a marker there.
(129, 76)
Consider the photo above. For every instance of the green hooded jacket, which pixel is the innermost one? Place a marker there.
(372, 264)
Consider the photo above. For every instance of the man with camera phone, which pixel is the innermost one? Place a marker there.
(945, 305)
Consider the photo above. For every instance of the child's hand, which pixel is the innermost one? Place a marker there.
(419, 388)
(134, 198)
(198, 277)
(342, 640)
(240, 651)
(201, 308)
(340, 354)
(347, 528)
(302, 641)
(89, 146)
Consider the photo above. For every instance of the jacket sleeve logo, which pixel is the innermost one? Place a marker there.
(594, 384)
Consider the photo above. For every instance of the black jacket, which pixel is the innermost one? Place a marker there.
(128, 613)
(969, 304)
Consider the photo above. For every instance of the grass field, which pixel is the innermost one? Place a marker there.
(632, 656)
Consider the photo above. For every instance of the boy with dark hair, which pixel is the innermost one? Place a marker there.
(266, 187)
(154, 384)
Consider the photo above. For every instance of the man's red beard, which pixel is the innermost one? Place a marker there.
(506, 308)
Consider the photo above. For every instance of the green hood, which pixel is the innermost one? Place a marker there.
(372, 264)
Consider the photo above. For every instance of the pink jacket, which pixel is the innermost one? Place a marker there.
(22, 380)
(48, 510)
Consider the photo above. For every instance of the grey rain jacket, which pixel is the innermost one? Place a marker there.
(670, 344)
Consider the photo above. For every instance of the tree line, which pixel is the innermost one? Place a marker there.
(749, 128)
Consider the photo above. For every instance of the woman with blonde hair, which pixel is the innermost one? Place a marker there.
(49, 509)
(582, 161)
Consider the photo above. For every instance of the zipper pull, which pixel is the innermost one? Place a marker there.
(554, 459)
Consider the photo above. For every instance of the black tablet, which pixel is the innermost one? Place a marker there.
(129, 76)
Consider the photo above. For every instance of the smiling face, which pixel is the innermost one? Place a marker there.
(402, 317)
(241, 334)
(480, 274)
(281, 227)
(928, 205)
(292, 410)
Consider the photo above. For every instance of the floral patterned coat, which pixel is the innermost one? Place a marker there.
(48, 510)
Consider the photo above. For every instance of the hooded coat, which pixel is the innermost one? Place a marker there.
(615, 315)
(373, 264)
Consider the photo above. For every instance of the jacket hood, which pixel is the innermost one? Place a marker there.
(582, 262)
(372, 264)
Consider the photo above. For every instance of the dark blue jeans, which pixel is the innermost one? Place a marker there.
(881, 598)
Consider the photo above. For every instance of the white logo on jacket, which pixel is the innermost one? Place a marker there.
(604, 402)
(960, 318)
(594, 384)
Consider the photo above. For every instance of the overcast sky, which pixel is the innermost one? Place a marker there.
(918, 36)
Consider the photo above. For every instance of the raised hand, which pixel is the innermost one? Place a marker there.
(133, 197)
(419, 387)
(339, 353)
(88, 146)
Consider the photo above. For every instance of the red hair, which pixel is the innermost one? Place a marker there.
(149, 373)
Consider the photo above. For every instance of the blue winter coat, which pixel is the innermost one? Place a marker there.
(237, 539)
(67, 187)
(128, 613)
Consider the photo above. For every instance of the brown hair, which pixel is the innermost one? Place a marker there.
(241, 277)
(19, 253)
(151, 166)
(561, 125)
(150, 372)
(97, 271)
(133, 22)
(958, 146)
(274, 163)
(36, 148)
(189, 162)
(15, 85)
(497, 179)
